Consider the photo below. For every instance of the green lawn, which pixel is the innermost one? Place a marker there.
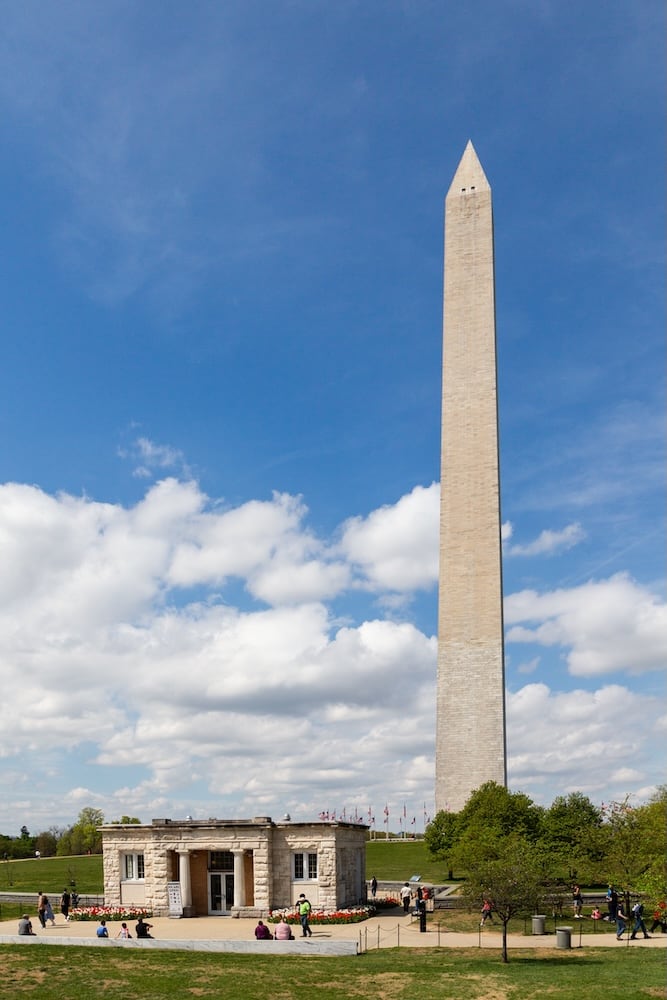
(398, 860)
(405, 974)
(387, 861)
(52, 875)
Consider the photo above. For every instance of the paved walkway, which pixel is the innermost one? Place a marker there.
(386, 931)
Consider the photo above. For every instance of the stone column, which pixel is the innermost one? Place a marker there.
(185, 882)
(239, 879)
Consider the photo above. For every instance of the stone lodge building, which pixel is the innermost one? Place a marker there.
(240, 867)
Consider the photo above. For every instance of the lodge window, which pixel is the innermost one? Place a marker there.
(133, 867)
(305, 867)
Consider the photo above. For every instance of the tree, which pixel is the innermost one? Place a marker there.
(46, 844)
(441, 837)
(83, 837)
(570, 828)
(514, 882)
(491, 814)
(632, 839)
(652, 882)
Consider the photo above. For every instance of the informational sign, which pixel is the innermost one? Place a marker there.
(175, 900)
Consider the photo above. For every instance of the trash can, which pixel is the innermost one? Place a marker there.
(538, 923)
(563, 937)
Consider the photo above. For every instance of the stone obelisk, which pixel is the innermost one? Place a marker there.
(470, 729)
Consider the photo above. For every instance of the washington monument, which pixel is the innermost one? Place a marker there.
(470, 728)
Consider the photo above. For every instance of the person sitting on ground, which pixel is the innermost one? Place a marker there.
(102, 930)
(143, 929)
(123, 932)
(596, 914)
(25, 925)
(283, 930)
(262, 932)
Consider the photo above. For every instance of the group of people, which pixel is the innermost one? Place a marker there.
(283, 931)
(45, 912)
(409, 895)
(143, 930)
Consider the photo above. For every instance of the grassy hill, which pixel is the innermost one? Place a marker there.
(399, 859)
(53, 874)
(387, 860)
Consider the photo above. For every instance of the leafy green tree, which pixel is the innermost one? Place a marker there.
(570, 826)
(83, 837)
(632, 841)
(46, 844)
(650, 826)
(491, 814)
(441, 838)
(512, 882)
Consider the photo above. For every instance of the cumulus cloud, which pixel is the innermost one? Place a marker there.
(575, 740)
(603, 626)
(182, 650)
(548, 542)
(106, 655)
(396, 547)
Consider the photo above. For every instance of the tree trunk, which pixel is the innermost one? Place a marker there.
(505, 959)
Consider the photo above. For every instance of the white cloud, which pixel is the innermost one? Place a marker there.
(548, 542)
(575, 741)
(606, 626)
(111, 664)
(396, 547)
(153, 456)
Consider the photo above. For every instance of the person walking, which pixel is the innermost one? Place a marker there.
(65, 901)
(41, 908)
(639, 925)
(621, 921)
(405, 897)
(304, 916)
(612, 904)
(374, 887)
(577, 901)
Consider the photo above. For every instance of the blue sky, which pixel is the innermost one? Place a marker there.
(219, 404)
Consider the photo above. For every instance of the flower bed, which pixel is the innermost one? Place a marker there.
(109, 912)
(353, 915)
(385, 903)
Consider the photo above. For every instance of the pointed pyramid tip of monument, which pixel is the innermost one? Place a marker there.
(469, 173)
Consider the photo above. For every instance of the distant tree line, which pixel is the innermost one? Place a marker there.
(83, 837)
